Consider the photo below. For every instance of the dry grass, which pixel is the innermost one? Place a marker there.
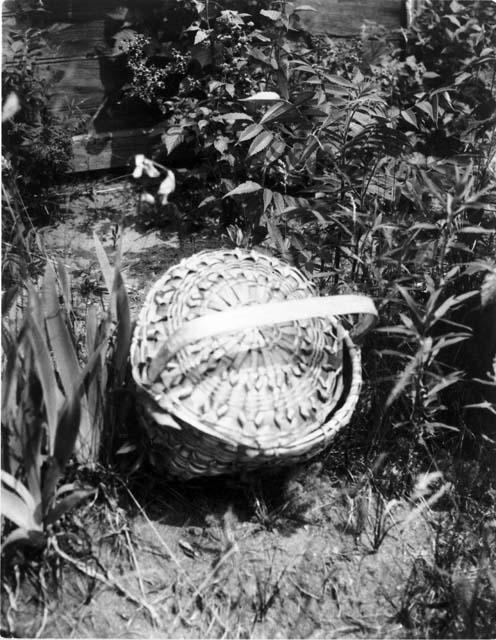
(296, 555)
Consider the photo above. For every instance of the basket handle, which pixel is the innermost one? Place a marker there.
(259, 315)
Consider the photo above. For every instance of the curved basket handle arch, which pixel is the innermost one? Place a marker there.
(259, 315)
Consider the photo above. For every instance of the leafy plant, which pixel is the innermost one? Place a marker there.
(52, 407)
(36, 143)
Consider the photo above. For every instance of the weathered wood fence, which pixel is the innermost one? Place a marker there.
(89, 72)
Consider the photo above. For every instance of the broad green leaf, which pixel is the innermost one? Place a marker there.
(172, 141)
(221, 143)
(246, 187)
(409, 117)
(202, 35)
(267, 198)
(431, 75)
(426, 107)
(260, 143)
(275, 151)
(339, 80)
(250, 132)
(271, 15)
(263, 97)
(305, 7)
(261, 57)
(230, 118)
(277, 111)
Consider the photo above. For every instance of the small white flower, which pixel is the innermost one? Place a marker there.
(147, 198)
(144, 164)
(166, 187)
(10, 107)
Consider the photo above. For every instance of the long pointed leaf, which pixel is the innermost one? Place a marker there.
(44, 367)
(60, 340)
(124, 332)
(15, 509)
(65, 283)
(108, 274)
(15, 485)
(67, 429)
(20, 535)
(65, 358)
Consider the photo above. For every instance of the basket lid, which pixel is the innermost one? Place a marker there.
(258, 387)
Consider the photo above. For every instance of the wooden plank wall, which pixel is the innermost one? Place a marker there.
(87, 72)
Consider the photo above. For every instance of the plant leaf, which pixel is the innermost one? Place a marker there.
(230, 118)
(250, 132)
(65, 284)
(124, 330)
(67, 428)
(271, 15)
(66, 504)
(33, 538)
(260, 143)
(172, 140)
(277, 111)
(18, 504)
(60, 340)
(245, 187)
(44, 367)
(263, 97)
(410, 117)
(108, 273)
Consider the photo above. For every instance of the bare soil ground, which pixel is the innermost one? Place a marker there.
(216, 559)
(311, 553)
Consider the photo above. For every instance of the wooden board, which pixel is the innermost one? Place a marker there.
(111, 149)
(344, 18)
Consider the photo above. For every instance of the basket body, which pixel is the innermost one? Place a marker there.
(268, 395)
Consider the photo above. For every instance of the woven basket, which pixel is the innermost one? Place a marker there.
(239, 364)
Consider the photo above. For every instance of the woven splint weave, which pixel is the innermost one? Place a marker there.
(239, 364)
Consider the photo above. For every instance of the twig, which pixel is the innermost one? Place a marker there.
(105, 578)
(135, 561)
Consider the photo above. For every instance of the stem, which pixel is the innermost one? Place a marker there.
(105, 578)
